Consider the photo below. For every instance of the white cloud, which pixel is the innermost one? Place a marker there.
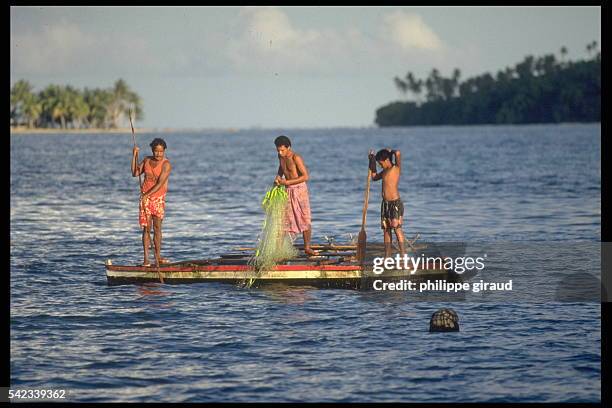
(65, 48)
(261, 40)
(269, 29)
(269, 42)
(53, 49)
(409, 31)
(266, 40)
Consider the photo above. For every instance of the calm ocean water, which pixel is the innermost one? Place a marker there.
(529, 195)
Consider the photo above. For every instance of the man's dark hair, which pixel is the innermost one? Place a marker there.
(158, 142)
(282, 141)
(383, 155)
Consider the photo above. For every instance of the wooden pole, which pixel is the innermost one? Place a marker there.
(161, 279)
(361, 240)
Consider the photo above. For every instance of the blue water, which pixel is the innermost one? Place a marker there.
(74, 205)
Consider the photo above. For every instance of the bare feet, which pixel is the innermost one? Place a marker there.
(310, 252)
(147, 264)
(163, 261)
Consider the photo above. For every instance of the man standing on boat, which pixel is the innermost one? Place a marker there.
(391, 208)
(156, 169)
(292, 168)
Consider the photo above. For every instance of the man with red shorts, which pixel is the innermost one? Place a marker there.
(156, 169)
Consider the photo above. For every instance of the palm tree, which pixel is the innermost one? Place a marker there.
(484, 82)
(21, 93)
(401, 85)
(58, 105)
(98, 101)
(456, 80)
(539, 66)
(409, 84)
(563, 54)
(434, 86)
(447, 88)
(591, 47)
(416, 86)
(429, 86)
(55, 102)
(123, 100)
(77, 109)
(437, 83)
(32, 108)
(525, 69)
(549, 64)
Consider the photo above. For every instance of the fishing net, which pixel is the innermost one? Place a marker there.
(273, 244)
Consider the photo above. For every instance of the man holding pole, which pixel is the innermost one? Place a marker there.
(156, 169)
(392, 208)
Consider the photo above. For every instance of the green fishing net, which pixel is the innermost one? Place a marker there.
(273, 244)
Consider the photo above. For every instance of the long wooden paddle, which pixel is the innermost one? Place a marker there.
(361, 239)
(139, 174)
(134, 140)
(161, 279)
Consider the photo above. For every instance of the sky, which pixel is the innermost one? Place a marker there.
(279, 67)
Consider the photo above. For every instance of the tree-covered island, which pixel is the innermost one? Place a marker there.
(536, 90)
(65, 107)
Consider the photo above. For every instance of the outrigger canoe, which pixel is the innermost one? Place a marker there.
(335, 267)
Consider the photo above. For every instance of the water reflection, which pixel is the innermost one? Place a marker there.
(286, 294)
(155, 291)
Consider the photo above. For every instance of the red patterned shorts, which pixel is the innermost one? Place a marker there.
(154, 206)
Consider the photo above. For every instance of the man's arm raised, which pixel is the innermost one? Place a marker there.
(137, 169)
(398, 157)
(372, 164)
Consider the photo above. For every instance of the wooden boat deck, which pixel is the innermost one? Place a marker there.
(336, 266)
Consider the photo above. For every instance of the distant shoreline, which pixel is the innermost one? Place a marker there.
(24, 130)
(89, 130)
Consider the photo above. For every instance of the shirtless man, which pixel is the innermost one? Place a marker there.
(152, 206)
(292, 168)
(392, 208)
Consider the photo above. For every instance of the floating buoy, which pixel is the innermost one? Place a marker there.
(444, 320)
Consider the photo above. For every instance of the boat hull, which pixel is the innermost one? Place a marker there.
(324, 276)
(334, 267)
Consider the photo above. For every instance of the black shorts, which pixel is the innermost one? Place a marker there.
(391, 213)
